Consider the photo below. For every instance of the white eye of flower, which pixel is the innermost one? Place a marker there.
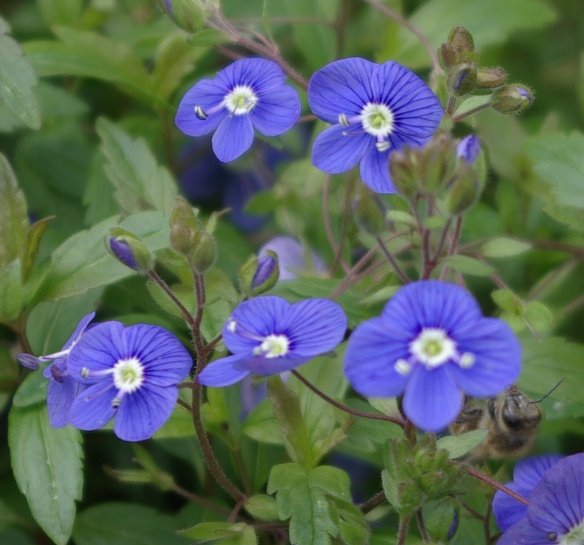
(128, 375)
(433, 347)
(574, 537)
(377, 120)
(273, 346)
(241, 100)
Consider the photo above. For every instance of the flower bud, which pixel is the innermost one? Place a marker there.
(128, 249)
(203, 257)
(464, 191)
(29, 361)
(462, 79)
(184, 227)
(403, 173)
(459, 48)
(489, 78)
(188, 15)
(436, 163)
(368, 212)
(512, 99)
(469, 148)
(259, 274)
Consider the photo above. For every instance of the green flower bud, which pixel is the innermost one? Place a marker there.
(462, 79)
(259, 274)
(436, 163)
(188, 15)
(185, 229)
(512, 99)
(464, 190)
(128, 249)
(462, 42)
(403, 173)
(203, 257)
(489, 78)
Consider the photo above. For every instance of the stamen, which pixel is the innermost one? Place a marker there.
(466, 360)
(200, 113)
(403, 367)
(231, 326)
(382, 145)
(343, 120)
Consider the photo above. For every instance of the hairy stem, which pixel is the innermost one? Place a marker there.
(473, 472)
(392, 261)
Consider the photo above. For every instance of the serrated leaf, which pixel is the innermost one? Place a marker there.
(82, 262)
(467, 265)
(17, 80)
(13, 214)
(139, 182)
(459, 445)
(125, 524)
(47, 465)
(504, 247)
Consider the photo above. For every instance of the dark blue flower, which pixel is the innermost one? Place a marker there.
(555, 515)
(432, 343)
(375, 109)
(131, 374)
(469, 148)
(526, 476)
(62, 388)
(247, 94)
(268, 335)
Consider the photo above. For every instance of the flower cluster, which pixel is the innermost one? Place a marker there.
(374, 108)
(107, 371)
(555, 514)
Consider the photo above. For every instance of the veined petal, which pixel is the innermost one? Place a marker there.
(253, 320)
(370, 358)
(497, 354)
(144, 411)
(79, 330)
(374, 171)
(206, 94)
(276, 111)
(341, 87)
(523, 533)
(270, 366)
(223, 372)
(233, 137)
(60, 398)
(338, 149)
(261, 75)
(431, 400)
(92, 409)
(314, 326)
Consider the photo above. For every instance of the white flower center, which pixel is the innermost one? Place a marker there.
(241, 100)
(273, 346)
(574, 537)
(377, 120)
(128, 375)
(433, 347)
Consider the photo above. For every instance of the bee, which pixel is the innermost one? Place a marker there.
(511, 420)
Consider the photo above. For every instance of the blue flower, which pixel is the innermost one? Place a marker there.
(375, 109)
(292, 257)
(247, 94)
(63, 388)
(526, 476)
(268, 335)
(432, 343)
(131, 374)
(555, 514)
(469, 148)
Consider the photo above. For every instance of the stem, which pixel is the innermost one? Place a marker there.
(200, 349)
(457, 118)
(495, 484)
(401, 274)
(203, 502)
(450, 105)
(153, 275)
(402, 531)
(453, 247)
(577, 251)
(373, 502)
(422, 526)
(346, 408)
(184, 404)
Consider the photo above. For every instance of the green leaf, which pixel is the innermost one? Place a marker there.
(351, 522)
(17, 79)
(82, 262)
(61, 12)
(31, 245)
(504, 247)
(47, 465)
(471, 103)
(262, 506)
(32, 391)
(223, 533)
(125, 524)
(459, 445)
(14, 224)
(14, 536)
(91, 55)
(208, 37)
(467, 265)
(11, 292)
(139, 182)
(303, 497)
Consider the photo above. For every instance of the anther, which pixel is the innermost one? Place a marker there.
(200, 113)
(382, 145)
(403, 367)
(343, 120)
(85, 372)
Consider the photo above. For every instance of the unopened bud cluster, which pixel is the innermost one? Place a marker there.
(259, 274)
(188, 15)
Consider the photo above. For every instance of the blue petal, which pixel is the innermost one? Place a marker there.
(233, 137)
(223, 372)
(374, 171)
(98, 349)
(431, 400)
(524, 533)
(314, 326)
(92, 409)
(292, 257)
(497, 358)
(530, 471)
(271, 366)
(341, 87)
(372, 351)
(207, 94)
(557, 502)
(144, 411)
(254, 319)
(60, 398)
(79, 330)
(507, 510)
(469, 148)
(431, 303)
(338, 149)
(165, 359)
(261, 75)
(276, 111)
